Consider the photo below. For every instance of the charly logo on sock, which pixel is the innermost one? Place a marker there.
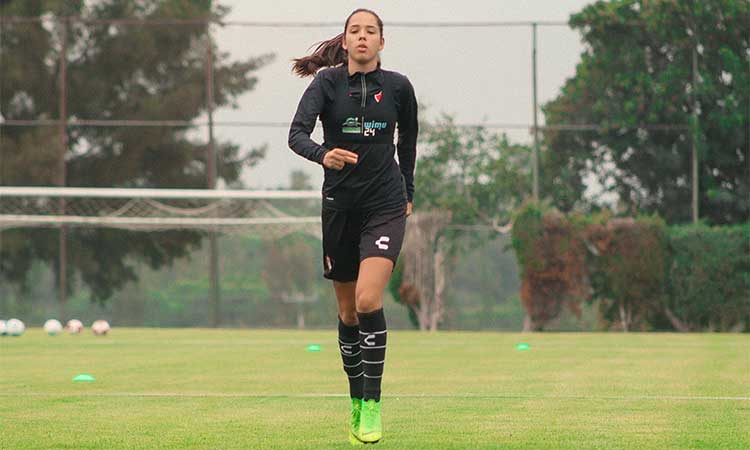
(346, 349)
(382, 242)
(368, 338)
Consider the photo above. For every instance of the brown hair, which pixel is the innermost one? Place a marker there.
(331, 52)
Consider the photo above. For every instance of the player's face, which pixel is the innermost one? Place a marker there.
(363, 40)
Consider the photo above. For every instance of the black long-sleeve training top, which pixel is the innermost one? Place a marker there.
(359, 113)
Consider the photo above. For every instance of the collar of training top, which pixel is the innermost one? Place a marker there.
(368, 75)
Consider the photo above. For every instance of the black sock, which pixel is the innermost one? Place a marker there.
(351, 357)
(372, 337)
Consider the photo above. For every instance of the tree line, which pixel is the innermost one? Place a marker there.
(636, 70)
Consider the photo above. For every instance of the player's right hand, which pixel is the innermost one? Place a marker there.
(338, 157)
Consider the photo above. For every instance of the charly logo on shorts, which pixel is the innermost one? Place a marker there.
(382, 242)
(352, 126)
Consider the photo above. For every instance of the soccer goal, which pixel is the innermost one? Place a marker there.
(274, 212)
(270, 215)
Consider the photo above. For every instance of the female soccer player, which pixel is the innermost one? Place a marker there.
(366, 194)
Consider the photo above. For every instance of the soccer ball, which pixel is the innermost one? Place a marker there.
(15, 327)
(3, 328)
(100, 327)
(74, 326)
(52, 327)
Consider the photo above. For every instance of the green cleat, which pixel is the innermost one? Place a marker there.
(370, 424)
(354, 421)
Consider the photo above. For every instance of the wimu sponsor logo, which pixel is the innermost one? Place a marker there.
(353, 125)
(372, 126)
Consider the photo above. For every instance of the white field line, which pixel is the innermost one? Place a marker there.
(389, 396)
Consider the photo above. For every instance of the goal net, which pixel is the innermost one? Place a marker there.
(160, 209)
(267, 254)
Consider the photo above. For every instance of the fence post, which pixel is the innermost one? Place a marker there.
(535, 167)
(62, 171)
(214, 289)
(695, 137)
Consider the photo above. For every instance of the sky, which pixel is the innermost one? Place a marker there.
(477, 75)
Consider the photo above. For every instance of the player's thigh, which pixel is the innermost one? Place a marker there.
(379, 247)
(374, 273)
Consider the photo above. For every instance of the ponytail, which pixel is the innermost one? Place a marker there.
(329, 53)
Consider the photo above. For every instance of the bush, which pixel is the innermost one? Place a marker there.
(642, 274)
(628, 269)
(551, 256)
(709, 278)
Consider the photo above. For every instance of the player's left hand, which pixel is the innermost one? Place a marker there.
(409, 206)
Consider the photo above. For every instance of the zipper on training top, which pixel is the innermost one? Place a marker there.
(364, 91)
(364, 99)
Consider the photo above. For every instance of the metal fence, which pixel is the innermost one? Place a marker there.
(65, 122)
(206, 127)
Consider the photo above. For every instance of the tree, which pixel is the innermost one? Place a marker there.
(291, 271)
(290, 268)
(464, 177)
(114, 71)
(636, 70)
(421, 272)
(478, 176)
(299, 180)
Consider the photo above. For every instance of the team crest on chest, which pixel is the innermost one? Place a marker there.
(378, 96)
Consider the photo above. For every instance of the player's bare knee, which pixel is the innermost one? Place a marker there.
(368, 301)
(349, 316)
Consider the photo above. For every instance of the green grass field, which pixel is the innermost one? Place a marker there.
(258, 389)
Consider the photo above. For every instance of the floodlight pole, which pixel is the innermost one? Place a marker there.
(214, 294)
(535, 157)
(62, 276)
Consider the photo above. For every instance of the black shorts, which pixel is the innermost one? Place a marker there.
(351, 236)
